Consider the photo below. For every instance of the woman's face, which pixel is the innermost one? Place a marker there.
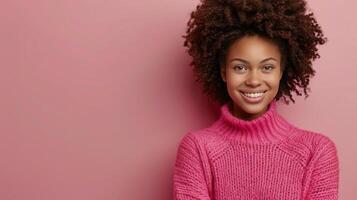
(252, 75)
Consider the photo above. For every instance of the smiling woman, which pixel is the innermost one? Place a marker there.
(248, 54)
(252, 74)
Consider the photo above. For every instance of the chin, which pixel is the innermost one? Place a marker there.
(253, 109)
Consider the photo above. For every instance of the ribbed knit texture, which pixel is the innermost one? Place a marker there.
(263, 159)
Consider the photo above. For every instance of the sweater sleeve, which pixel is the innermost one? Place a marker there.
(324, 183)
(189, 180)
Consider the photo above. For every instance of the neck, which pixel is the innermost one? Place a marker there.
(268, 127)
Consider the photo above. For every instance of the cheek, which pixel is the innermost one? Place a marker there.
(234, 82)
(273, 81)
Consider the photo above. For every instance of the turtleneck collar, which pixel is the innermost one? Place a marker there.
(269, 127)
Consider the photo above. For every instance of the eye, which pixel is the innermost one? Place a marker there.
(239, 67)
(268, 67)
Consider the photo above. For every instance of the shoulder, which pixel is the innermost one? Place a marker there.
(321, 152)
(314, 140)
(205, 141)
(307, 144)
(202, 136)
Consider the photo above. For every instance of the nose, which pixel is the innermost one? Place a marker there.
(253, 79)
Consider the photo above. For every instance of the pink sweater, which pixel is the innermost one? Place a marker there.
(264, 159)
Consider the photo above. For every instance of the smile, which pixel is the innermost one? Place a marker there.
(255, 97)
(254, 94)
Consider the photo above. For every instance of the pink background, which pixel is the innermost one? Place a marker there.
(97, 94)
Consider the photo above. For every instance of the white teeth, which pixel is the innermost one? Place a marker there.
(253, 95)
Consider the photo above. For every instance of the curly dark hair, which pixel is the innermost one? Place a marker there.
(216, 24)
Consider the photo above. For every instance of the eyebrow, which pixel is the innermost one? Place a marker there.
(242, 60)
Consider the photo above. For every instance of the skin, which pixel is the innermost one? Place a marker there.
(253, 63)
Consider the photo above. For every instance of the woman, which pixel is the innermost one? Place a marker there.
(248, 55)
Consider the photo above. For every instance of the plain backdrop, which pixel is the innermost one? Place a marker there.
(96, 95)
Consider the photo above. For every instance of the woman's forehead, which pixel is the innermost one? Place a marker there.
(253, 48)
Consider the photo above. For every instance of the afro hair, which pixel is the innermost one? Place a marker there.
(216, 24)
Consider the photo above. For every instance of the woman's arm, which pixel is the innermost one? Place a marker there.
(189, 180)
(324, 183)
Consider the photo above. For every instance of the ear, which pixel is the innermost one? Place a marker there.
(223, 73)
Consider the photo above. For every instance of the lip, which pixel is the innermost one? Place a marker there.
(252, 100)
(247, 91)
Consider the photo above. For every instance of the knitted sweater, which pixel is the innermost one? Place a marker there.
(263, 159)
